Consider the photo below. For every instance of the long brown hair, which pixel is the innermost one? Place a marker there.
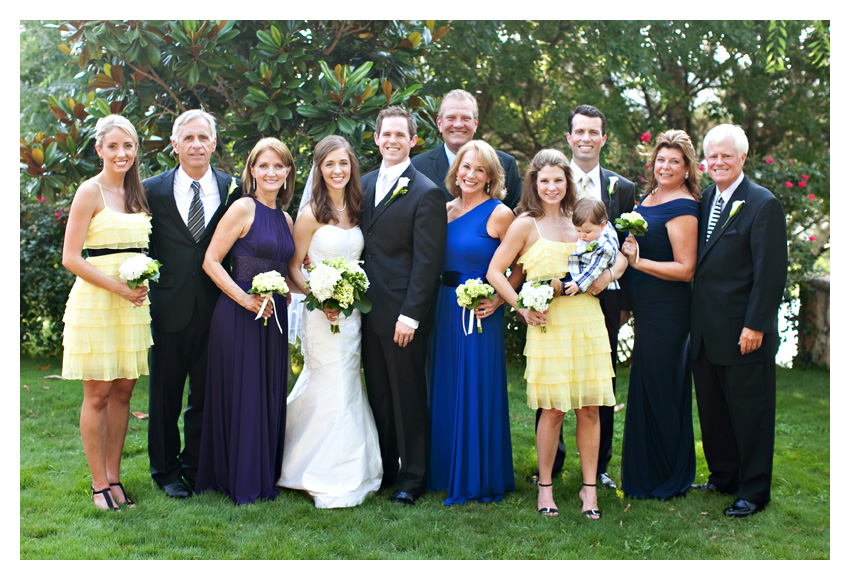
(135, 200)
(679, 140)
(320, 199)
(284, 194)
(530, 202)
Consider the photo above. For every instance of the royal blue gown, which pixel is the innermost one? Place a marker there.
(658, 439)
(245, 400)
(470, 433)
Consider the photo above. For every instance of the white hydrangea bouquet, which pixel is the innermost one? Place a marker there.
(139, 268)
(265, 284)
(536, 296)
(469, 295)
(631, 222)
(338, 284)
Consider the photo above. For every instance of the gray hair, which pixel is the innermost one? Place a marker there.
(724, 132)
(188, 116)
(459, 95)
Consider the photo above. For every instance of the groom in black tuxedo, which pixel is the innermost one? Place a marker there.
(186, 205)
(742, 262)
(404, 228)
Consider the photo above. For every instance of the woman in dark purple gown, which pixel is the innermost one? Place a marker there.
(245, 404)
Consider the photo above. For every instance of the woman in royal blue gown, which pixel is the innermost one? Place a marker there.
(468, 399)
(245, 402)
(658, 439)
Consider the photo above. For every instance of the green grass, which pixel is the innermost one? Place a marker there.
(58, 521)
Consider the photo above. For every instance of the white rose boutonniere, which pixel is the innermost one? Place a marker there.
(612, 188)
(401, 189)
(231, 188)
(736, 207)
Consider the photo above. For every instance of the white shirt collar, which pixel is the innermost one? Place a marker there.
(595, 175)
(449, 155)
(390, 175)
(208, 185)
(727, 194)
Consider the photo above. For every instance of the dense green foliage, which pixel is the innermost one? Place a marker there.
(58, 521)
(302, 80)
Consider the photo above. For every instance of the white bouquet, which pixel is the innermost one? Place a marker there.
(139, 268)
(338, 284)
(536, 296)
(631, 222)
(265, 284)
(469, 295)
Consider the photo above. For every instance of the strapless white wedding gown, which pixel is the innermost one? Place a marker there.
(331, 444)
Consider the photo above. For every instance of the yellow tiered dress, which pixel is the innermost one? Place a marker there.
(106, 337)
(569, 365)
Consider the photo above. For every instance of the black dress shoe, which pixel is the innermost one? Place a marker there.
(606, 481)
(403, 497)
(177, 489)
(742, 508)
(707, 486)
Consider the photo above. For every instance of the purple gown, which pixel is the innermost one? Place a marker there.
(245, 404)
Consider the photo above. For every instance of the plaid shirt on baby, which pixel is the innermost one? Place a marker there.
(589, 260)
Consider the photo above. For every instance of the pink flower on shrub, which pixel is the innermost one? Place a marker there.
(802, 184)
(769, 160)
(812, 238)
(788, 184)
(806, 177)
(811, 196)
(702, 166)
(646, 137)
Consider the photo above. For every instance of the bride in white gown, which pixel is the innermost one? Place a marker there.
(331, 445)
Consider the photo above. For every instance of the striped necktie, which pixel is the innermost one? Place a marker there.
(196, 213)
(584, 191)
(715, 214)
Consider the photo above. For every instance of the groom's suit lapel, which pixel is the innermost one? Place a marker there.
(739, 195)
(382, 207)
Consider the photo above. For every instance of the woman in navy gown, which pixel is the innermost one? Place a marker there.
(470, 433)
(245, 404)
(658, 439)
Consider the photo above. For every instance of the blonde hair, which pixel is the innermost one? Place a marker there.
(135, 199)
(486, 157)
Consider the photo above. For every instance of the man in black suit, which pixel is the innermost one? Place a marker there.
(457, 122)
(742, 262)
(586, 135)
(186, 204)
(404, 228)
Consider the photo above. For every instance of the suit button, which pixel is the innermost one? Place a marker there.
(370, 232)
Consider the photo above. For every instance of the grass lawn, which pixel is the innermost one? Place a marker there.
(58, 520)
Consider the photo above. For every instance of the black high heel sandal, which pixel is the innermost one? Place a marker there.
(546, 511)
(127, 499)
(589, 514)
(108, 498)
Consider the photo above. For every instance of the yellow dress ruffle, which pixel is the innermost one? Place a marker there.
(569, 365)
(106, 337)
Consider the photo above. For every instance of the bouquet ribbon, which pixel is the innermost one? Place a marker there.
(471, 319)
(266, 297)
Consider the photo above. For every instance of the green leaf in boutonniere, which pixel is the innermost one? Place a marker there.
(591, 247)
(231, 188)
(401, 189)
(613, 183)
(736, 207)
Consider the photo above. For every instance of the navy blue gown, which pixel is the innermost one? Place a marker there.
(245, 401)
(658, 440)
(470, 432)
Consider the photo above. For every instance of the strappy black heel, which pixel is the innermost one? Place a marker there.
(547, 511)
(108, 498)
(590, 514)
(127, 500)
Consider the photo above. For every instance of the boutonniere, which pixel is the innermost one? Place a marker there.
(233, 187)
(401, 189)
(590, 247)
(612, 188)
(736, 207)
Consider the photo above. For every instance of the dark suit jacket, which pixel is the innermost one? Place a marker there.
(435, 165)
(740, 276)
(621, 201)
(403, 254)
(182, 281)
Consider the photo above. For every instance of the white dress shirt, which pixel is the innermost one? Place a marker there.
(727, 195)
(595, 186)
(390, 175)
(183, 194)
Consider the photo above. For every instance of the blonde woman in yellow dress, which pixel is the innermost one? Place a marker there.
(107, 325)
(568, 366)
